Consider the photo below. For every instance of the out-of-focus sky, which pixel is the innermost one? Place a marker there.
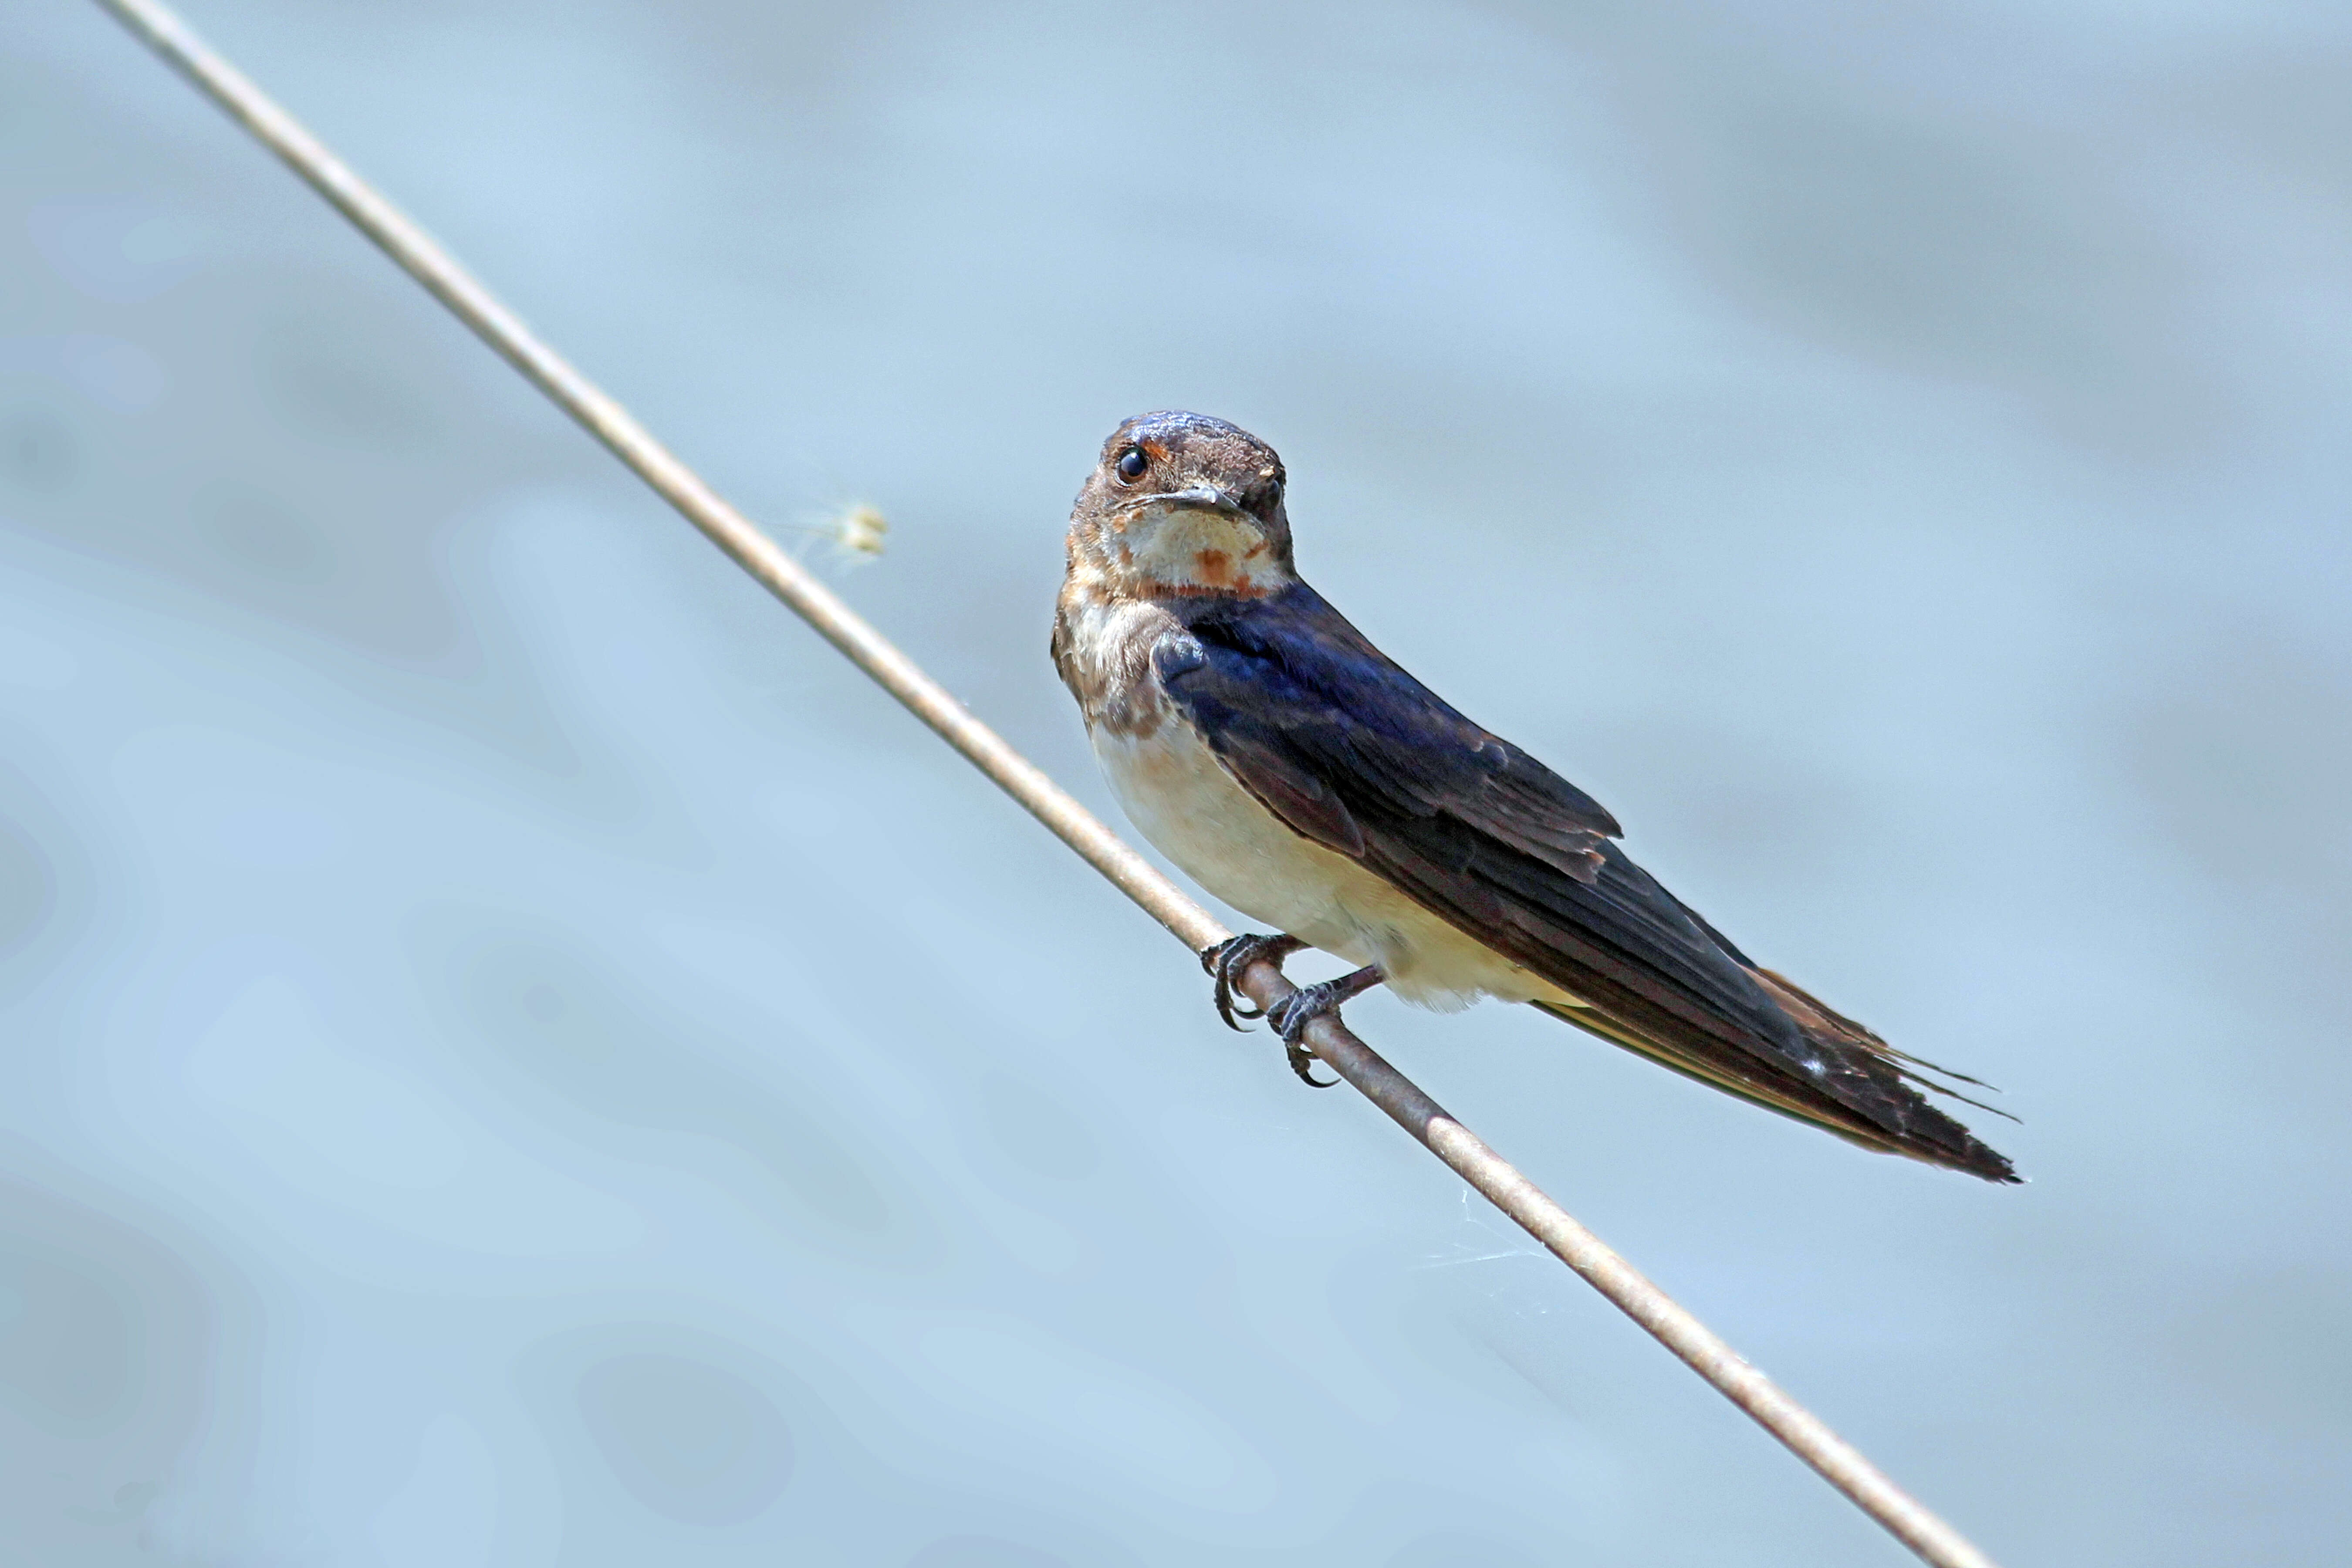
(514, 1054)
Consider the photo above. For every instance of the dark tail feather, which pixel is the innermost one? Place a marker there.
(1826, 1026)
(1872, 1099)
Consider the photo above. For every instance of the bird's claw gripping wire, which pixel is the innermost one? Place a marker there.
(1291, 1025)
(1292, 1015)
(1231, 959)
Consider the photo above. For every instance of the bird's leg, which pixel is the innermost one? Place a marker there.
(1231, 958)
(1291, 1016)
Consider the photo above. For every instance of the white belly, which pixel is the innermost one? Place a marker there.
(1181, 798)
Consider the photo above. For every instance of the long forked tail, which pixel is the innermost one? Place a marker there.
(1872, 1096)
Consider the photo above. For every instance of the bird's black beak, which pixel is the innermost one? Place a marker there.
(1203, 497)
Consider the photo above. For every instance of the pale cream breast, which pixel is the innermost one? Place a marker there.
(1181, 798)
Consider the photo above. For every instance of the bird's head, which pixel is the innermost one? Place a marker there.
(1182, 504)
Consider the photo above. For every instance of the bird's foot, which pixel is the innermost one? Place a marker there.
(1230, 959)
(1292, 1015)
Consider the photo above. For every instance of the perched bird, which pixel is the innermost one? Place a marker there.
(1268, 749)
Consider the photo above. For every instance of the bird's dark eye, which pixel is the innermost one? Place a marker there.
(1131, 464)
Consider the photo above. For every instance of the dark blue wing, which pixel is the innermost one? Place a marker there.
(1339, 740)
(1353, 752)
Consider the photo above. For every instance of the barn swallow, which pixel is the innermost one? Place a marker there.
(1268, 749)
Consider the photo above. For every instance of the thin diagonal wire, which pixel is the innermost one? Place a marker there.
(1806, 1436)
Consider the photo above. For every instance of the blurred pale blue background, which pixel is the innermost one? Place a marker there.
(513, 1054)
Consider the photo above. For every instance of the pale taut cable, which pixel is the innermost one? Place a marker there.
(1837, 1460)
